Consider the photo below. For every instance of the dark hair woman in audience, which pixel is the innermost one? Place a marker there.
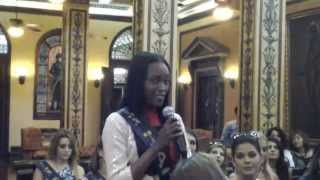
(62, 160)
(300, 149)
(138, 141)
(94, 167)
(200, 166)
(276, 158)
(313, 169)
(193, 141)
(281, 136)
(248, 158)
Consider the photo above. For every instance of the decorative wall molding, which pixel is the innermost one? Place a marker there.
(75, 36)
(261, 64)
(270, 64)
(161, 27)
(247, 64)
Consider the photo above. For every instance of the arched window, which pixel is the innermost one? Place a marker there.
(122, 45)
(3, 43)
(49, 75)
(121, 54)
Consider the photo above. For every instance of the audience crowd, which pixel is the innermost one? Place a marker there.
(253, 156)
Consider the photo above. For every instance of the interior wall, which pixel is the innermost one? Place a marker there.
(23, 54)
(99, 41)
(226, 33)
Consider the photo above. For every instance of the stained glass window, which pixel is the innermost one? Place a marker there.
(49, 76)
(3, 43)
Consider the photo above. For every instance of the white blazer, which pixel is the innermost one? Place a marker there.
(120, 149)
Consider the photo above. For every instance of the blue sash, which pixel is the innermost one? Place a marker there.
(145, 138)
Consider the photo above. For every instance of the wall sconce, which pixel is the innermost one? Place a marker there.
(22, 79)
(21, 73)
(184, 79)
(232, 76)
(97, 76)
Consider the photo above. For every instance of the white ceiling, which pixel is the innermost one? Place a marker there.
(115, 7)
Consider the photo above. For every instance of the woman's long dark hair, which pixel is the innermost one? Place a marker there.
(134, 98)
(282, 168)
(304, 138)
(282, 135)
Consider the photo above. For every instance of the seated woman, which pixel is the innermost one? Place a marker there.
(313, 170)
(301, 152)
(248, 158)
(62, 159)
(218, 151)
(193, 141)
(276, 159)
(95, 165)
(281, 136)
(200, 166)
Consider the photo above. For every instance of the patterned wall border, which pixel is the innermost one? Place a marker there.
(76, 72)
(270, 64)
(161, 28)
(138, 25)
(247, 64)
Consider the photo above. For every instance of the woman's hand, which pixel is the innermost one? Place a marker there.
(170, 131)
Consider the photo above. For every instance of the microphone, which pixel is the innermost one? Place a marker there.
(168, 113)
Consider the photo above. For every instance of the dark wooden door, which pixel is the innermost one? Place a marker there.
(206, 93)
(4, 113)
(208, 96)
(4, 104)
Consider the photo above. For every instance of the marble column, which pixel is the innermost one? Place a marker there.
(75, 23)
(262, 62)
(155, 30)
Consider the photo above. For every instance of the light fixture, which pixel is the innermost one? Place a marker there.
(21, 73)
(97, 76)
(223, 12)
(15, 32)
(16, 29)
(232, 75)
(184, 79)
(56, 1)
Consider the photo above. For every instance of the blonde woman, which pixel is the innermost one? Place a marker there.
(62, 160)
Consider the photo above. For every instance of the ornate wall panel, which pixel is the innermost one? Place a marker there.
(261, 60)
(75, 33)
(270, 56)
(161, 27)
(247, 64)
